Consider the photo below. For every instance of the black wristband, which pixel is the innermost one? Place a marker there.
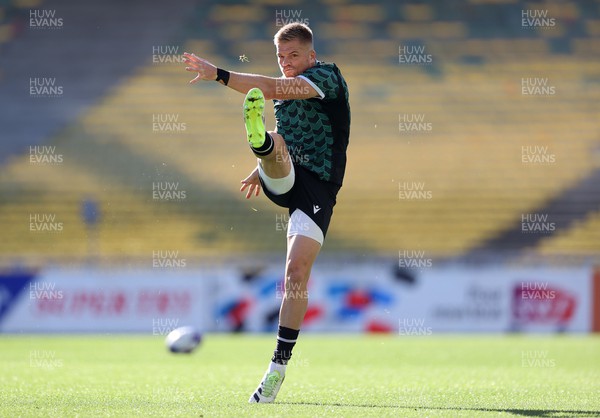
(222, 75)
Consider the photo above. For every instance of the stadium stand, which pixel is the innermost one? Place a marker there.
(475, 160)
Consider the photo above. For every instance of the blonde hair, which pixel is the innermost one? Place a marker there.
(293, 31)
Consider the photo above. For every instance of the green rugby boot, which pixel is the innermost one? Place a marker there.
(254, 107)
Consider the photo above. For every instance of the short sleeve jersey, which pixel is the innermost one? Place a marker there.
(316, 131)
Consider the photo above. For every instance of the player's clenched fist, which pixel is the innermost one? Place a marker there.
(205, 70)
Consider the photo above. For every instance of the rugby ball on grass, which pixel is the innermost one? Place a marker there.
(183, 340)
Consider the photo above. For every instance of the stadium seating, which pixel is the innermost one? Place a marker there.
(469, 163)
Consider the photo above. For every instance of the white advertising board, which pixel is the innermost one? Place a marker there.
(365, 297)
(91, 300)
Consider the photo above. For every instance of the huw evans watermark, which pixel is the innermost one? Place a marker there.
(537, 223)
(413, 326)
(413, 190)
(44, 222)
(414, 259)
(286, 16)
(290, 290)
(167, 191)
(45, 87)
(167, 259)
(44, 359)
(166, 54)
(44, 154)
(282, 221)
(537, 291)
(531, 19)
(44, 19)
(537, 86)
(291, 87)
(44, 290)
(537, 358)
(537, 154)
(414, 54)
(292, 153)
(413, 123)
(163, 326)
(167, 123)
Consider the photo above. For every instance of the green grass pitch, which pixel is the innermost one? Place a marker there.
(330, 375)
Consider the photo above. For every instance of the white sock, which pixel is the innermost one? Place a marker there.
(276, 366)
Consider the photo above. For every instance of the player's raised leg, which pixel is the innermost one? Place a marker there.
(269, 147)
(301, 255)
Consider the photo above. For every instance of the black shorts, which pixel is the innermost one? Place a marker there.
(310, 194)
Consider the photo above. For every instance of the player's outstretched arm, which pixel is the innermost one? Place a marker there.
(272, 88)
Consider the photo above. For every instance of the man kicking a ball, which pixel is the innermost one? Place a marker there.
(300, 165)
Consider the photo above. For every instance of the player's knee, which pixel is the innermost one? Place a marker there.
(296, 286)
(277, 139)
(297, 274)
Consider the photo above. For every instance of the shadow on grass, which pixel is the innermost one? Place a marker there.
(550, 413)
